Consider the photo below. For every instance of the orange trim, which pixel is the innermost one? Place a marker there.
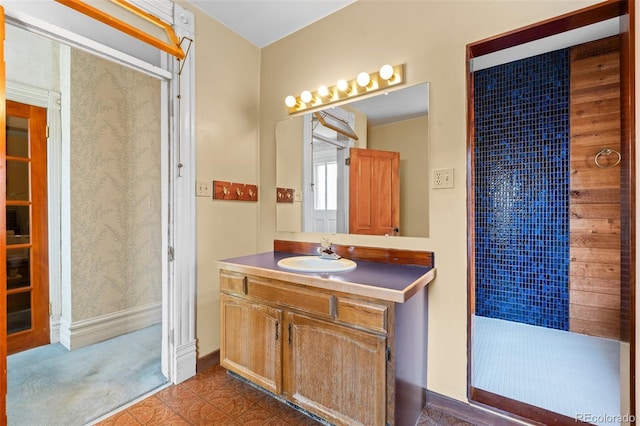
(172, 48)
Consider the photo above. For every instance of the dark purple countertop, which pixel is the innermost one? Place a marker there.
(389, 281)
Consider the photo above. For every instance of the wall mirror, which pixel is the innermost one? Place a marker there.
(313, 163)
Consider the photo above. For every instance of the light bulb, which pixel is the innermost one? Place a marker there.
(306, 96)
(386, 72)
(323, 91)
(290, 101)
(342, 85)
(363, 79)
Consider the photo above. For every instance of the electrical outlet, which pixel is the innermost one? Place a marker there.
(442, 178)
(204, 188)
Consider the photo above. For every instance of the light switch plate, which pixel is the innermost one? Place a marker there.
(204, 188)
(442, 178)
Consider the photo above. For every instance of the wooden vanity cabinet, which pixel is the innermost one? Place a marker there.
(335, 371)
(327, 352)
(251, 341)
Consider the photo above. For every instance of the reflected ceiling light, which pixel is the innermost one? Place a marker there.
(386, 72)
(323, 91)
(342, 85)
(290, 101)
(363, 79)
(306, 96)
(364, 83)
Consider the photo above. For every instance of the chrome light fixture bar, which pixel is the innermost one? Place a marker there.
(387, 76)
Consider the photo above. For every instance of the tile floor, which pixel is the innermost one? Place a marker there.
(561, 371)
(214, 397)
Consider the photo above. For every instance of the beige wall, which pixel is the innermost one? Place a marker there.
(430, 38)
(409, 138)
(227, 120)
(290, 137)
(115, 188)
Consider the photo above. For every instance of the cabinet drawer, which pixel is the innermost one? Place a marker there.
(364, 314)
(282, 294)
(232, 282)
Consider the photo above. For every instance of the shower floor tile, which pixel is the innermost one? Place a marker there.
(567, 373)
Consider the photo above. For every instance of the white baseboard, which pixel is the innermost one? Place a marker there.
(86, 332)
(185, 362)
(54, 329)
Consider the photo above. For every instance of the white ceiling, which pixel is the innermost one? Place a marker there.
(263, 22)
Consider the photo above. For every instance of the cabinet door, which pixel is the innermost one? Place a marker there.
(251, 341)
(334, 371)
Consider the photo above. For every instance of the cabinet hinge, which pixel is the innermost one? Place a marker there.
(347, 161)
(47, 136)
(388, 353)
(171, 254)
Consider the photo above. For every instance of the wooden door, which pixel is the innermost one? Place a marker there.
(251, 341)
(374, 192)
(26, 227)
(335, 371)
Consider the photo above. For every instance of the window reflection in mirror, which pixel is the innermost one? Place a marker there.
(311, 159)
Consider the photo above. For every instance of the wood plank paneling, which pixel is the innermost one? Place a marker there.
(586, 254)
(595, 240)
(597, 138)
(595, 270)
(596, 285)
(586, 313)
(594, 224)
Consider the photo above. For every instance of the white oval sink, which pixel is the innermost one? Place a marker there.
(316, 264)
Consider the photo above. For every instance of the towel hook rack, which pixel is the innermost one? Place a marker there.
(606, 152)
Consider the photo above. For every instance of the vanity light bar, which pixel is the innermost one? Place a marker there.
(364, 83)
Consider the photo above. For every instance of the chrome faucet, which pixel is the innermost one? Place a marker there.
(325, 250)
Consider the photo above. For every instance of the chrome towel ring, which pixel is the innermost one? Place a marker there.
(606, 152)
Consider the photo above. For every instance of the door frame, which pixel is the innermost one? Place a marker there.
(599, 12)
(178, 171)
(3, 232)
(342, 214)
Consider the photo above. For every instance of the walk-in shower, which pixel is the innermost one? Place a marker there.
(549, 318)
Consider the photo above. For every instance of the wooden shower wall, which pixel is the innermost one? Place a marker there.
(595, 121)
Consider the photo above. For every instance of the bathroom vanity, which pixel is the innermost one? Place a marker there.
(348, 347)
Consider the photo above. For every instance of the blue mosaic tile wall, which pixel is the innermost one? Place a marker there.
(522, 190)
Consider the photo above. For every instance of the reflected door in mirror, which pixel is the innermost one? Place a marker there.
(374, 192)
(26, 228)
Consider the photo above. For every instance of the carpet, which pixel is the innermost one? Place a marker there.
(50, 385)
